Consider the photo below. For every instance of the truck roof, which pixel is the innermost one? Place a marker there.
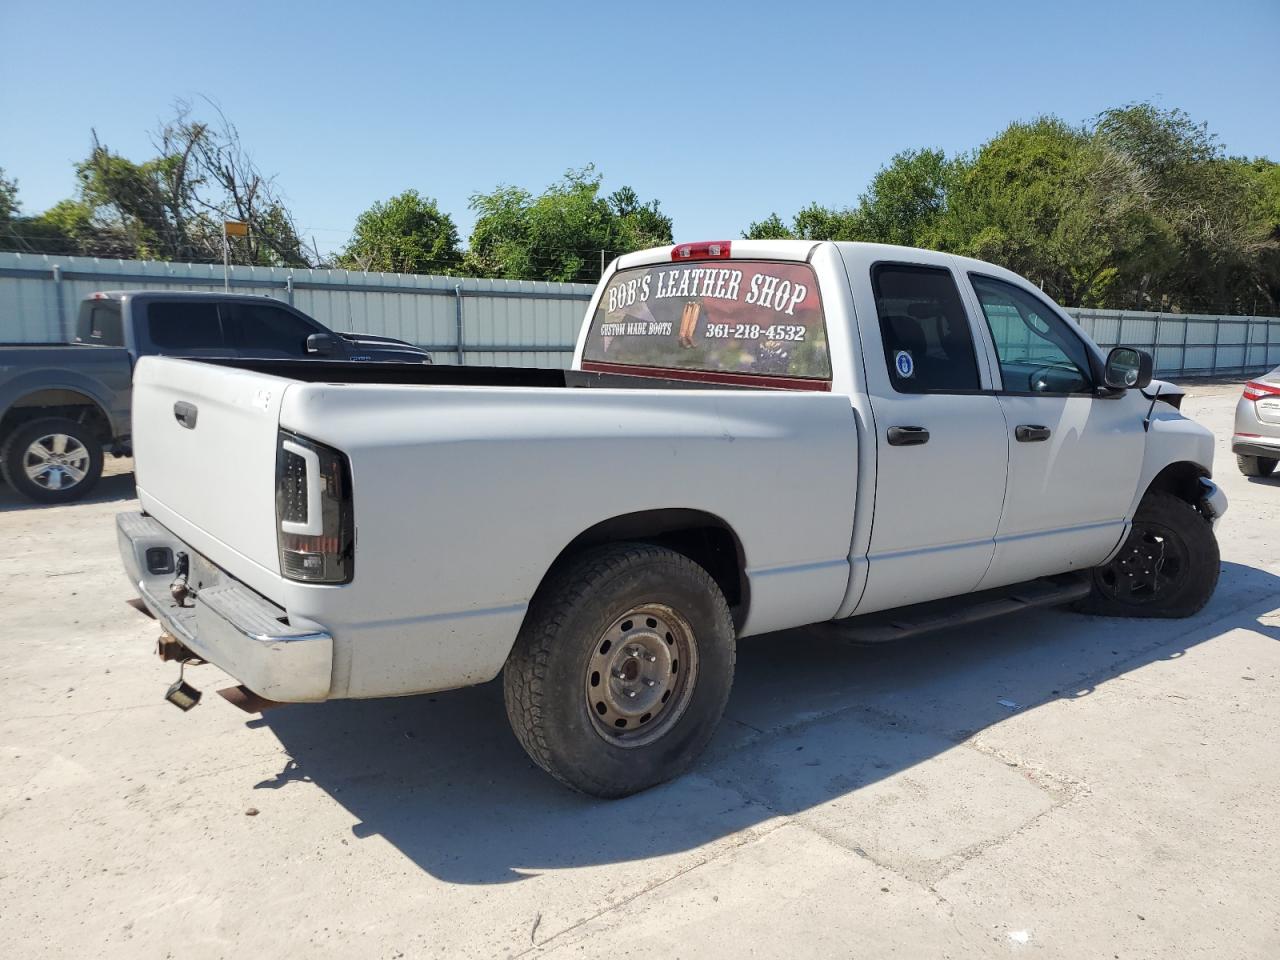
(178, 295)
(801, 250)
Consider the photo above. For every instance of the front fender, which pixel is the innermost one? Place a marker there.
(1172, 438)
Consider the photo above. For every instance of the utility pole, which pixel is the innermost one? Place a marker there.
(230, 228)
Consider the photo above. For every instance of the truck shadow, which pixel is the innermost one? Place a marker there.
(811, 720)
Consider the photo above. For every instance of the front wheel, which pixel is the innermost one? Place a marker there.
(622, 669)
(1255, 466)
(54, 460)
(1168, 566)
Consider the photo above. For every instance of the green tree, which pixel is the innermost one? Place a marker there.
(907, 199)
(902, 205)
(406, 234)
(171, 206)
(1044, 200)
(814, 222)
(1210, 207)
(8, 198)
(562, 233)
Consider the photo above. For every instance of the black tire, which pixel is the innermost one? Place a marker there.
(1256, 466)
(1167, 567)
(547, 678)
(15, 456)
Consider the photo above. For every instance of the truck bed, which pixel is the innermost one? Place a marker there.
(464, 495)
(419, 374)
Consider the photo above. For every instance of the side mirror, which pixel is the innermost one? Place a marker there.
(1128, 368)
(323, 344)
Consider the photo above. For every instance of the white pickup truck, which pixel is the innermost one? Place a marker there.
(754, 435)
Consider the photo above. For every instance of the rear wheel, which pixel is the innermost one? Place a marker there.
(54, 460)
(1255, 466)
(621, 670)
(1168, 566)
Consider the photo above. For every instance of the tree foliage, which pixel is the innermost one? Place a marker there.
(406, 234)
(8, 198)
(562, 233)
(1139, 209)
(171, 206)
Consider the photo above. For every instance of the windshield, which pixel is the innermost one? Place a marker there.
(733, 319)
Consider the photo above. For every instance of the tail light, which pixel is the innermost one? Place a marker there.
(707, 250)
(1253, 390)
(313, 510)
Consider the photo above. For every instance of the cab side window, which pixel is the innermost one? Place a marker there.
(1038, 352)
(928, 346)
(252, 326)
(183, 325)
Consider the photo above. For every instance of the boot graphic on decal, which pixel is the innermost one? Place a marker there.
(689, 323)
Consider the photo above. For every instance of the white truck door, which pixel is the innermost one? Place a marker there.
(941, 444)
(1074, 457)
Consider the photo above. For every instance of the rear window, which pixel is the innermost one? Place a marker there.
(183, 325)
(749, 318)
(99, 322)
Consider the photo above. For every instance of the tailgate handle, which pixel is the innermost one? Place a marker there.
(185, 413)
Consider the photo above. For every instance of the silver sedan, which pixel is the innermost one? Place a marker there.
(1256, 441)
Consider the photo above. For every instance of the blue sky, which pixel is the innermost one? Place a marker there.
(723, 111)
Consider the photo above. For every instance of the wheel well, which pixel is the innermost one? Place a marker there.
(702, 537)
(1182, 479)
(57, 403)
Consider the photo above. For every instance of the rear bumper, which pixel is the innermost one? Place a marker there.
(228, 624)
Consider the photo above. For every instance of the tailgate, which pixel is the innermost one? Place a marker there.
(204, 442)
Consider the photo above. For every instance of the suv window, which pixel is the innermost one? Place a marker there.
(1038, 352)
(928, 346)
(178, 325)
(252, 326)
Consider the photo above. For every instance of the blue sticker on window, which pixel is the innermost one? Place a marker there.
(904, 364)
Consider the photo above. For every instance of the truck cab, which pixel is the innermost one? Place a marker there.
(181, 324)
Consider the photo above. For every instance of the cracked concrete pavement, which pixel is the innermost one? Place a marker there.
(856, 802)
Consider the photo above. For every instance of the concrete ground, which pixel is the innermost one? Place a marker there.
(857, 802)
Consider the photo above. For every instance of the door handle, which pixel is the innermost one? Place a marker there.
(907, 436)
(185, 413)
(1031, 433)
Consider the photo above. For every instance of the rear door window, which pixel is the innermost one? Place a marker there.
(266, 328)
(928, 345)
(179, 325)
(728, 320)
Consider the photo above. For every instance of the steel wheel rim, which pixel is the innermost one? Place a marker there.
(640, 675)
(1153, 562)
(56, 461)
